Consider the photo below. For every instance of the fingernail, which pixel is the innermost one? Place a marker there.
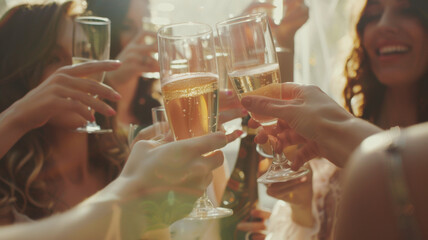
(229, 93)
(114, 63)
(244, 112)
(238, 133)
(117, 96)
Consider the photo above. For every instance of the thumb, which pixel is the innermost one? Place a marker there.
(282, 109)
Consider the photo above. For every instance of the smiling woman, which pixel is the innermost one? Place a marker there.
(388, 67)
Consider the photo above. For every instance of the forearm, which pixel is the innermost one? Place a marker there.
(286, 63)
(10, 132)
(81, 222)
(100, 217)
(342, 138)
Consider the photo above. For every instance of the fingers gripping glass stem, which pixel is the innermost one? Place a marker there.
(279, 170)
(253, 68)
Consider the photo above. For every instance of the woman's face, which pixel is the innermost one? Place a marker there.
(61, 56)
(396, 42)
(132, 23)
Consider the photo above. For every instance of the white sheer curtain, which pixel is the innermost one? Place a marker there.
(318, 43)
(206, 11)
(3, 6)
(319, 48)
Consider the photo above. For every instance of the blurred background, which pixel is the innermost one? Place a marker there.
(211, 11)
(318, 43)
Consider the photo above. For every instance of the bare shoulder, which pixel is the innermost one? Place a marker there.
(367, 206)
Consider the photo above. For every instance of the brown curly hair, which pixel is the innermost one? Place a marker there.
(32, 30)
(362, 83)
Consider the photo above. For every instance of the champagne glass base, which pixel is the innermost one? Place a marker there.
(209, 213)
(203, 209)
(92, 127)
(281, 172)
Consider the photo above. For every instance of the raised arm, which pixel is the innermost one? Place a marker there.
(153, 191)
(65, 90)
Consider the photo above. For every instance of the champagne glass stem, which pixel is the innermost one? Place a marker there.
(203, 202)
(279, 170)
(279, 161)
(205, 209)
(278, 158)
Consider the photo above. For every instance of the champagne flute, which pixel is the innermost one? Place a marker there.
(91, 42)
(160, 125)
(189, 81)
(253, 68)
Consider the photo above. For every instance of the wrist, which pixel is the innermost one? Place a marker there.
(12, 122)
(114, 193)
(355, 131)
(287, 44)
(345, 132)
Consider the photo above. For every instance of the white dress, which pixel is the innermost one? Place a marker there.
(326, 197)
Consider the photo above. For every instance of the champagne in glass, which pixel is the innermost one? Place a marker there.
(263, 80)
(91, 42)
(253, 69)
(99, 77)
(225, 88)
(191, 104)
(189, 81)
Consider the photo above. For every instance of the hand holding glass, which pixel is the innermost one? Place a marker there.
(91, 42)
(190, 89)
(253, 69)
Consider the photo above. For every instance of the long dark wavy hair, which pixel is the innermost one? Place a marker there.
(28, 35)
(361, 81)
(116, 11)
